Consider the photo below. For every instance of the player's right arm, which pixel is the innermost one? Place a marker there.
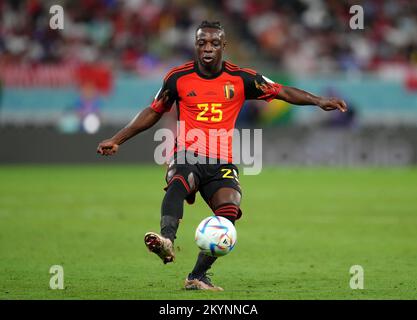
(143, 121)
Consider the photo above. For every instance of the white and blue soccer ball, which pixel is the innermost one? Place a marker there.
(216, 236)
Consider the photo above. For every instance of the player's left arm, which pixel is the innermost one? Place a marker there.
(260, 87)
(300, 97)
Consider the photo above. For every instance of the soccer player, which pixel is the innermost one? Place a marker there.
(209, 94)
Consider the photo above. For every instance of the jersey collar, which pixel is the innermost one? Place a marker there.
(213, 76)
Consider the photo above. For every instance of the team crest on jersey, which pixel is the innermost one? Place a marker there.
(229, 91)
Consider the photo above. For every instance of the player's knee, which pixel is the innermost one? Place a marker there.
(229, 211)
(225, 195)
(226, 203)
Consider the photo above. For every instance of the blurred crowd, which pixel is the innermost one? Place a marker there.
(135, 35)
(309, 36)
(142, 36)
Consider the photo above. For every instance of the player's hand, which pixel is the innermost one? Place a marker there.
(329, 104)
(107, 147)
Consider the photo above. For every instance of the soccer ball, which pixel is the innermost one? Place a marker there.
(216, 236)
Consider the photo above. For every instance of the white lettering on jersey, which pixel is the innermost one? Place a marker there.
(157, 94)
(267, 79)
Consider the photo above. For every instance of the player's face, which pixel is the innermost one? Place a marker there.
(209, 46)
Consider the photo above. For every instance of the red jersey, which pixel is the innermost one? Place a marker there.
(208, 106)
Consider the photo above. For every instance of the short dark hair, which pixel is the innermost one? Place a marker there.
(210, 24)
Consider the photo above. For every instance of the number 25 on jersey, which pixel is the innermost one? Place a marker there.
(217, 114)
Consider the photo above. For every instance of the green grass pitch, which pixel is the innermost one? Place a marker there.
(302, 230)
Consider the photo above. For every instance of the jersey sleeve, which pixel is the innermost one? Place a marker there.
(259, 87)
(166, 96)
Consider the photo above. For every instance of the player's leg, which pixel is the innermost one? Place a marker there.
(181, 185)
(225, 202)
